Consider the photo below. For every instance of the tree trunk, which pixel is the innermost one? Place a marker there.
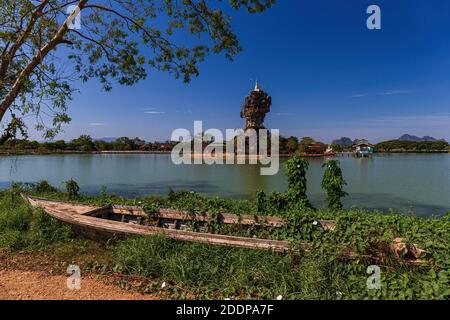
(11, 96)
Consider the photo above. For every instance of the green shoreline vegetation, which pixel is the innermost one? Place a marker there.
(193, 270)
(288, 146)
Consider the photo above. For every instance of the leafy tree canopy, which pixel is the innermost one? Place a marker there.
(305, 142)
(119, 41)
(403, 145)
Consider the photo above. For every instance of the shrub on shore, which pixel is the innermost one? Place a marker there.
(20, 228)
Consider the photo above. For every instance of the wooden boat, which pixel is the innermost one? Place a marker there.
(112, 220)
(107, 221)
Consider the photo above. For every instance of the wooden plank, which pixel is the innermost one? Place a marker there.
(227, 218)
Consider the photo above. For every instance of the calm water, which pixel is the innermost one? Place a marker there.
(409, 183)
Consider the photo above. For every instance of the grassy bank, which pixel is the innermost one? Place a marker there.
(204, 271)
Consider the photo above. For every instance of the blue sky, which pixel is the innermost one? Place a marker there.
(328, 75)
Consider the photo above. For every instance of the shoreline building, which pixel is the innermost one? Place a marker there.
(363, 148)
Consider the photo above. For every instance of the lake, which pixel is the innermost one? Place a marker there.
(410, 183)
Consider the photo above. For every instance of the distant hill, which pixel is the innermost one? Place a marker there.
(408, 137)
(106, 139)
(344, 142)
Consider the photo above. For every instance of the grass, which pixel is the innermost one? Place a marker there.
(21, 228)
(204, 271)
(192, 270)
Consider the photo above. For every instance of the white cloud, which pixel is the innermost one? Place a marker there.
(392, 92)
(154, 112)
(96, 124)
(360, 95)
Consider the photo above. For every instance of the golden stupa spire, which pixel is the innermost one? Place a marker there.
(256, 86)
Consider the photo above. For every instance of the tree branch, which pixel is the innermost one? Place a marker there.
(37, 59)
(8, 56)
(96, 42)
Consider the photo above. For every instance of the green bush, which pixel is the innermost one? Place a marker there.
(14, 213)
(21, 229)
(72, 188)
(13, 240)
(45, 229)
(44, 187)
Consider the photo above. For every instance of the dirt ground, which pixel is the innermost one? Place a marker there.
(34, 285)
(29, 276)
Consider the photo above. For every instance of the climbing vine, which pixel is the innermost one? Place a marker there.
(296, 168)
(333, 182)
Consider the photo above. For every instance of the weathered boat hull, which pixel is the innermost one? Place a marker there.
(84, 220)
(95, 222)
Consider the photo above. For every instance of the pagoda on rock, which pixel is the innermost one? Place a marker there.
(255, 108)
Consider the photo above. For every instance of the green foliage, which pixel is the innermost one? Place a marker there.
(72, 188)
(305, 142)
(299, 225)
(415, 146)
(274, 203)
(296, 172)
(288, 145)
(333, 182)
(337, 148)
(44, 187)
(13, 240)
(216, 272)
(84, 143)
(13, 218)
(260, 199)
(202, 271)
(46, 229)
(21, 229)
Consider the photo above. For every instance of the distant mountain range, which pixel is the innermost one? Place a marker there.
(408, 137)
(346, 142)
(106, 139)
(343, 142)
